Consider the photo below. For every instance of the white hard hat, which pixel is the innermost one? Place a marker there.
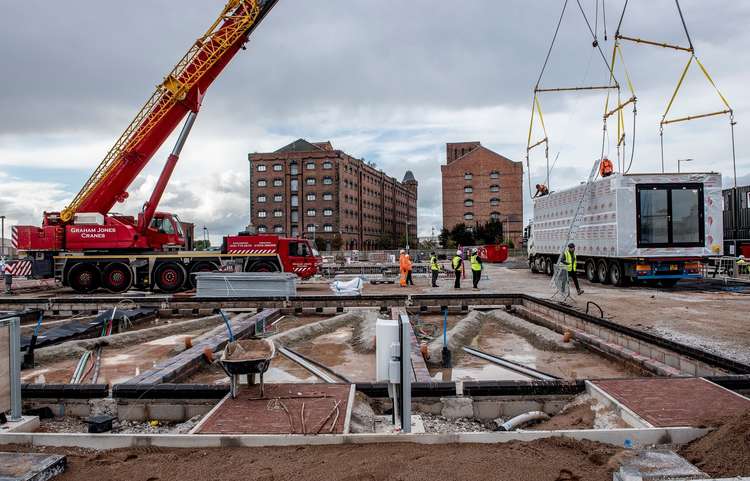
(401, 251)
(458, 252)
(741, 256)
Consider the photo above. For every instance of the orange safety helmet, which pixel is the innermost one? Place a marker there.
(606, 168)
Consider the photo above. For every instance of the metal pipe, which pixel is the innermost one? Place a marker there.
(656, 44)
(573, 89)
(519, 368)
(307, 365)
(14, 326)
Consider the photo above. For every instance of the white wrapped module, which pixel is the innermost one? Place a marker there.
(634, 215)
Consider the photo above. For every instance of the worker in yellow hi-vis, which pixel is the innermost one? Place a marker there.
(458, 266)
(571, 265)
(476, 267)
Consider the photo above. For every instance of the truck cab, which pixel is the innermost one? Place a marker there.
(304, 259)
(165, 232)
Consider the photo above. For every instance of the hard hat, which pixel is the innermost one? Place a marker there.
(741, 256)
(458, 252)
(474, 250)
(402, 251)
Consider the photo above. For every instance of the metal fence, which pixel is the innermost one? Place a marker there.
(727, 268)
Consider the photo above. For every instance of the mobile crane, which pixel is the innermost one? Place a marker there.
(87, 247)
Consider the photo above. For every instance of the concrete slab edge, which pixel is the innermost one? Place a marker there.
(636, 438)
(627, 414)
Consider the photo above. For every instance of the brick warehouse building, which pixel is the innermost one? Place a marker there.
(312, 190)
(479, 185)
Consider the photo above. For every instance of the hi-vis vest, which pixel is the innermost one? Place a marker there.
(434, 263)
(570, 261)
(456, 263)
(475, 265)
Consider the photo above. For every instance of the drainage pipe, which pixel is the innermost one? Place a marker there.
(316, 368)
(522, 419)
(519, 368)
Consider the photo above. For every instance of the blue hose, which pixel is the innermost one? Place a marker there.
(229, 326)
(38, 324)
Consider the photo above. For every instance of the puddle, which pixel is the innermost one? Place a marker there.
(334, 350)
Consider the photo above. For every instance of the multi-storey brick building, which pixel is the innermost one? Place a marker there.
(479, 185)
(312, 190)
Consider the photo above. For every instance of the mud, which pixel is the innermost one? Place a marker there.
(538, 336)
(459, 335)
(554, 459)
(724, 452)
(336, 351)
(315, 329)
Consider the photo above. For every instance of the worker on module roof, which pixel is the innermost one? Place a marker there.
(476, 268)
(458, 266)
(541, 190)
(606, 168)
(572, 266)
(434, 268)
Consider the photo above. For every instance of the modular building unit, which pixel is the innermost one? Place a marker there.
(644, 226)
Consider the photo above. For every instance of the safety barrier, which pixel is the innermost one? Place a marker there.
(728, 268)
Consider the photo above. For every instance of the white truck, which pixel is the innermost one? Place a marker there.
(633, 227)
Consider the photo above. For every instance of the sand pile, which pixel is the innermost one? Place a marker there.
(724, 452)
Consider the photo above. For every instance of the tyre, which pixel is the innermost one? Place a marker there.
(117, 277)
(668, 282)
(590, 269)
(200, 267)
(262, 266)
(549, 266)
(532, 265)
(617, 275)
(84, 277)
(169, 277)
(602, 271)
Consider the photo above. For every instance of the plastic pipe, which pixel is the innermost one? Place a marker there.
(522, 419)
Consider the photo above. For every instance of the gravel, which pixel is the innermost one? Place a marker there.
(439, 424)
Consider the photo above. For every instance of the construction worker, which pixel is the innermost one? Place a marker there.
(458, 266)
(572, 266)
(409, 267)
(5, 269)
(434, 268)
(541, 190)
(476, 267)
(742, 267)
(606, 168)
(402, 267)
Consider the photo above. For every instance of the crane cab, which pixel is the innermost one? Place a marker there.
(165, 232)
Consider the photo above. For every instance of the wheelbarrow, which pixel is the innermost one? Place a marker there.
(249, 356)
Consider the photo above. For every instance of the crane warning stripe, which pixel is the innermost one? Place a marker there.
(20, 268)
(14, 237)
(252, 251)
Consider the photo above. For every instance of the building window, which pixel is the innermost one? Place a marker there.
(468, 203)
(278, 198)
(262, 214)
(328, 228)
(495, 188)
(295, 216)
(278, 182)
(295, 201)
(294, 168)
(294, 185)
(278, 167)
(327, 196)
(327, 212)
(262, 183)
(278, 229)
(262, 229)
(495, 216)
(261, 198)
(468, 189)
(468, 176)
(310, 196)
(310, 165)
(295, 232)
(278, 213)
(494, 202)
(328, 180)
(310, 227)
(261, 168)
(310, 181)
(469, 216)
(328, 164)
(311, 212)
(494, 174)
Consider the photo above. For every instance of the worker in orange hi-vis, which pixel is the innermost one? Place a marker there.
(402, 267)
(606, 168)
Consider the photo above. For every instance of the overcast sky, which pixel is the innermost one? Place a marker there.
(391, 81)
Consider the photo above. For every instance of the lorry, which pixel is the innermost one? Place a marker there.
(87, 245)
(657, 228)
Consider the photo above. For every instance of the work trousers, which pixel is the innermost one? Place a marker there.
(475, 277)
(574, 277)
(8, 282)
(409, 280)
(434, 278)
(457, 284)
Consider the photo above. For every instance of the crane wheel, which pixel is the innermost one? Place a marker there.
(263, 267)
(117, 277)
(201, 267)
(84, 277)
(169, 277)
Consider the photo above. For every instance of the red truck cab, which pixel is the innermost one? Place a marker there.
(296, 255)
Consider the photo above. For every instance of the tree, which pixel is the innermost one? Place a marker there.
(201, 245)
(337, 242)
(490, 232)
(461, 235)
(320, 244)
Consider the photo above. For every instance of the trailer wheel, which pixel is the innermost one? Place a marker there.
(602, 271)
(117, 277)
(263, 267)
(590, 269)
(616, 276)
(549, 266)
(169, 277)
(200, 267)
(84, 277)
(533, 265)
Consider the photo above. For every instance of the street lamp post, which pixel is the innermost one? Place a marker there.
(2, 235)
(680, 161)
(407, 235)
(205, 238)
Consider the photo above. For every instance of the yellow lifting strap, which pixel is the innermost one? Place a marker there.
(536, 108)
(679, 85)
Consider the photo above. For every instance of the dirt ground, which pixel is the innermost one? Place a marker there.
(544, 460)
(724, 452)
